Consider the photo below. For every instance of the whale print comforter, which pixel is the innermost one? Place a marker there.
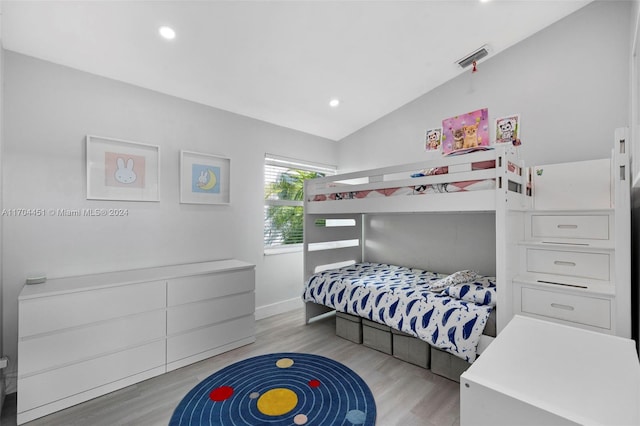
(410, 300)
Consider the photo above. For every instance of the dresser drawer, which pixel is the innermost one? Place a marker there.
(594, 227)
(73, 345)
(59, 312)
(207, 339)
(190, 316)
(202, 287)
(568, 307)
(569, 263)
(68, 381)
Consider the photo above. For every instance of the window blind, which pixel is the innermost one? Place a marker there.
(284, 198)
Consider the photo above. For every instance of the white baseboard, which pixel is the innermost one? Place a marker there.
(278, 308)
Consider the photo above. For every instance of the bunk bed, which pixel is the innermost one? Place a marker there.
(538, 237)
(449, 309)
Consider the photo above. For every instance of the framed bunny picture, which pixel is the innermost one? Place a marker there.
(204, 178)
(122, 170)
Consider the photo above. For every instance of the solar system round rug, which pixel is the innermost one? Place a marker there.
(279, 389)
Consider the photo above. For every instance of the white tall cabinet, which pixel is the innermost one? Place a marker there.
(575, 258)
(85, 336)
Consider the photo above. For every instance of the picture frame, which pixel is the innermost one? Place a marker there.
(204, 178)
(465, 131)
(508, 129)
(433, 139)
(122, 170)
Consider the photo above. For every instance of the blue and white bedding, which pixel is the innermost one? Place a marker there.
(451, 319)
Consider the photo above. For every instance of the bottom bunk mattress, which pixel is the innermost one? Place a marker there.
(447, 311)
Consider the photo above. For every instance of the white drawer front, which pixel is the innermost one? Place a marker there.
(204, 339)
(199, 314)
(584, 310)
(64, 382)
(201, 287)
(569, 263)
(47, 314)
(77, 344)
(570, 226)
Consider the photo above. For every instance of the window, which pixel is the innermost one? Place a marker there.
(284, 200)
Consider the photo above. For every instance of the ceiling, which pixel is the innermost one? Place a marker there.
(277, 61)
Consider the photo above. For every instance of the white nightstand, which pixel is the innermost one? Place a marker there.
(541, 373)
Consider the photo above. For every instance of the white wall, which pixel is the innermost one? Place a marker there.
(569, 82)
(2, 372)
(634, 123)
(437, 242)
(48, 111)
(634, 86)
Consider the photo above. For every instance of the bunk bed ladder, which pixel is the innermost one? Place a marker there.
(330, 241)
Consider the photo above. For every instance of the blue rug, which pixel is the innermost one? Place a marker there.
(279, 389)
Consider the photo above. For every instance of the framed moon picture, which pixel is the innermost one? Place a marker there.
(122, 170)
(204, 178)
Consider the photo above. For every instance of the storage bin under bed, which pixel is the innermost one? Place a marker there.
(447, 365)
(411, 349)
(399, 344)
(377, 336)
(349, 327)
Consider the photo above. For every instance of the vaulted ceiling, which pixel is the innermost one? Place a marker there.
(278, 61)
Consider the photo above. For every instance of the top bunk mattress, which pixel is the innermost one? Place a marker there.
(338, 192)
(473, 169)
(449, 312)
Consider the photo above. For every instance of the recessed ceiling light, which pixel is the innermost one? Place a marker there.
(334, 103)
(167, 32)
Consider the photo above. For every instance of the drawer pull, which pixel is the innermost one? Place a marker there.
(567, 226)
(565, 307)
(563, 263)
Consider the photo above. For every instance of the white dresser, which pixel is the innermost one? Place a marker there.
(85, 336)
(575, 262)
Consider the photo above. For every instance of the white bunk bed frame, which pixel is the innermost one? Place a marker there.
(330, 241)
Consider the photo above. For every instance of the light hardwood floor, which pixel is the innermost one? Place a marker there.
(405, 394)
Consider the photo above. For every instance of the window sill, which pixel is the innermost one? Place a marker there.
(296, 248)
(293, 248)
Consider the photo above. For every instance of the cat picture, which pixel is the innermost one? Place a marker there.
(458, 138)
(470, 136)
(465, 131)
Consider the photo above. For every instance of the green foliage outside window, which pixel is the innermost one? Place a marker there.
(284, 223)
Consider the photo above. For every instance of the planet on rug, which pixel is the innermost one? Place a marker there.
(279, 389)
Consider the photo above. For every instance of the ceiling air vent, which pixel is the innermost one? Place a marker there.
(475, 56)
